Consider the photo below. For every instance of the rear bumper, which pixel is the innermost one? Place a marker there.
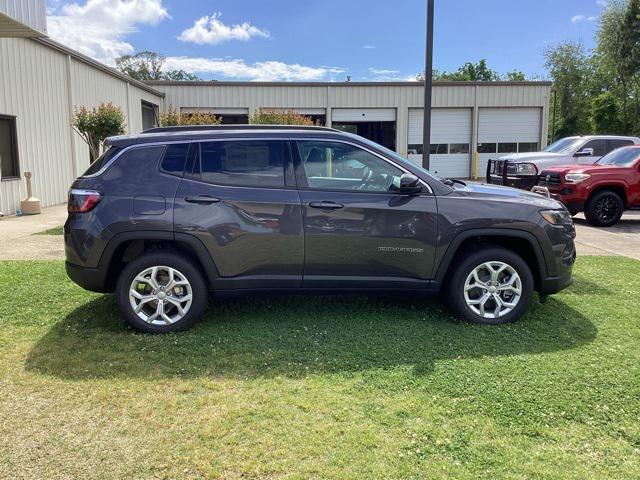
(92, 279)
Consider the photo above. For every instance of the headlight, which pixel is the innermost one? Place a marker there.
(557, 217)
(576, 177)
(522, 169)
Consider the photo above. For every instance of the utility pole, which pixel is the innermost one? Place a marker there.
(428, 80)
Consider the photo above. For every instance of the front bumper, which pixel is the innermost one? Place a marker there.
(524, 182)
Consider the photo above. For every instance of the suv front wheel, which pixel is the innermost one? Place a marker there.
(491, 286)
(161, 292)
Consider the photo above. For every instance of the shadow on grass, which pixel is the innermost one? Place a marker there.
(295, 336)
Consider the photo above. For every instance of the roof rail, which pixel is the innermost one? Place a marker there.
(191, 128)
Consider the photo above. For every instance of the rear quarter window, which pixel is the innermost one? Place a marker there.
(101, 161)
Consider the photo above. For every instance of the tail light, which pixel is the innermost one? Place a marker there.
(82, 201)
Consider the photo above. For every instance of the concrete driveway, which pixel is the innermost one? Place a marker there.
(621, 239)
(19, 242)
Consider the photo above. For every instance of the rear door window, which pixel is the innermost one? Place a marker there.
(175, 157)
(251, 163)
(615, 144)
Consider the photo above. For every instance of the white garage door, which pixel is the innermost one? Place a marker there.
(451, 132)
(363, 115)
(507, 130)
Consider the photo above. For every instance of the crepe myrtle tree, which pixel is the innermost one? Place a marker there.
(172, 117)
(97, 124)
(270, 116)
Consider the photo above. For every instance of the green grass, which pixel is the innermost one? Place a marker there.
(52, 231)
(320, 387)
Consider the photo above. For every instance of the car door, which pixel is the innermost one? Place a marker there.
(239, 198)
(358, 231)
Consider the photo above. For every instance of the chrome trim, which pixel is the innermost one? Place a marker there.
(82, 191)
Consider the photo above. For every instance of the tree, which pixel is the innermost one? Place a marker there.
(148, 65)
(279, 117)
(568, 65)
(172, 117)
(478, 72)
(97, 124)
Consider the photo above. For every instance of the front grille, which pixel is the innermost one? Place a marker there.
(500, 164)
(549, 179)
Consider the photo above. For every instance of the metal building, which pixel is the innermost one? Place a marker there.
(42, 82)
(488, 117)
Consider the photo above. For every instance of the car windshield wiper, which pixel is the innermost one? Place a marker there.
(451, 181)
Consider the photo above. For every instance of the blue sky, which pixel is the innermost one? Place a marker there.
(322, 39)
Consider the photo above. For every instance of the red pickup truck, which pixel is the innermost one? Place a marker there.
(603, 190)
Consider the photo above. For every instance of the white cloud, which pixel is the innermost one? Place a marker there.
(210, 30)
(368, 47)
(98, 27)
(602, 3)
(388, 75)
(582, 18)
(259, 71)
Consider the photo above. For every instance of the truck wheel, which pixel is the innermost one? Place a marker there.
(604, 208)
(160, 292)
(491, 286)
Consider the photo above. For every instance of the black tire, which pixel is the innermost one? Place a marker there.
(175, 260)
(604, 208)
(454, 294)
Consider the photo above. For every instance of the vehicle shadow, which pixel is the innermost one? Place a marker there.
(295, 336)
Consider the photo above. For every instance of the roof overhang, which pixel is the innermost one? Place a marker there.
(10, 27)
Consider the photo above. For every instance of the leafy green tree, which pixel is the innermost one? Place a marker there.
(148, 65)
(568, 65)
(478, 72)
(97, 124)
(605, 115)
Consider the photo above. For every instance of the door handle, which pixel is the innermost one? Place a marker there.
(326, 205)
(202, 199)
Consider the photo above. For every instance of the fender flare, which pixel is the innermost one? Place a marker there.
(206, 262)
(454, 247)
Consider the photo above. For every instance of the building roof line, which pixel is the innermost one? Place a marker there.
(216, 83)
(94, 63)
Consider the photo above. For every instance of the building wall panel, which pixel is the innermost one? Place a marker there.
(30, 12)
(41, 87)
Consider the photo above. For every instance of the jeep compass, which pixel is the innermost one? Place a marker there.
(169, 216)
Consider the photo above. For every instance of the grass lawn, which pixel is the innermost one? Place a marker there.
(52, 231)
(320, 387)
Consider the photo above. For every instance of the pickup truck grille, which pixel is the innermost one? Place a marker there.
(549, 179)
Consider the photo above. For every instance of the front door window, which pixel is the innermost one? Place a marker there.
(344, 167)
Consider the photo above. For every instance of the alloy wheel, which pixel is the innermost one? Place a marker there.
(160, 295)
(492, 289)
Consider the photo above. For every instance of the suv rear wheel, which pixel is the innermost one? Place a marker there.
(491, 286)
(604, 209)
(161, 292)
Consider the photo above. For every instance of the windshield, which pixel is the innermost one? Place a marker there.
(623, 157)
(564, 145)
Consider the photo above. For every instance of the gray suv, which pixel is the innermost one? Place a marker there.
(169, 216)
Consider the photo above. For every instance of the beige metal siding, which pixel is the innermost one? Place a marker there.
(30, 12)
(402, 97)
(41, 86)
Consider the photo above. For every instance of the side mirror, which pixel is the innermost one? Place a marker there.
(585, 152)
(410, 184)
